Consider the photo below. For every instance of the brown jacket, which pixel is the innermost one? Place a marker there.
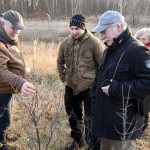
(12, 69)
(77, 62)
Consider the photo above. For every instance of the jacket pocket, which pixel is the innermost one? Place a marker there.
(68, 58)
(120, 73)
(86, 57)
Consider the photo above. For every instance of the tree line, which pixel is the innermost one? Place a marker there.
(66, 8)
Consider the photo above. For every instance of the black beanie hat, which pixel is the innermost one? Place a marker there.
(78, 20)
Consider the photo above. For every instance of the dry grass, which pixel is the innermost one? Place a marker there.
(44, 31)
(54, 31)
(40, 56)
(40, 120)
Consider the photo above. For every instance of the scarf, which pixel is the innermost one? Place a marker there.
(147, 44)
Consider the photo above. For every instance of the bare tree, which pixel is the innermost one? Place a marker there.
(126, 135)
(48, 6)
(121, 6)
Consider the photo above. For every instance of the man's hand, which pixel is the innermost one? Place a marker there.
(105, 89)
(27, 89)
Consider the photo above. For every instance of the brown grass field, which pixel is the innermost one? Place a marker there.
(40, 122)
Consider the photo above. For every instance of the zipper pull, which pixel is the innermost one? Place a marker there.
(109, 66)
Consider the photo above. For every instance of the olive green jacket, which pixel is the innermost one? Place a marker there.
(78, 61)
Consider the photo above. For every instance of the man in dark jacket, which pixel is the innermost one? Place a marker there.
(12, 69)
(78, 59)
(122, 79)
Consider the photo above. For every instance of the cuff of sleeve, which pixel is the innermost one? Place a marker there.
(20, 84)
(112, 89)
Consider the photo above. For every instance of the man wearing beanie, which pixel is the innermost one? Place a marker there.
(78, 59)
(12, 69)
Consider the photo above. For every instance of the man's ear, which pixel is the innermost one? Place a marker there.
(2, 23)
(119, 27)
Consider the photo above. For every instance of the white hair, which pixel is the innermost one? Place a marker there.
(122, 24)
(143, 31)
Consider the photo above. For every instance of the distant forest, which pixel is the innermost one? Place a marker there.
(134, 9)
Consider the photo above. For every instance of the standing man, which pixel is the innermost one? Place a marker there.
(78, 59)
(122, 80)
(48, 18)
(12, 69)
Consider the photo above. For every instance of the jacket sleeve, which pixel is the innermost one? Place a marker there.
(98, 52)
(94, 85)
(8, 77)
(139, 86)
(61, 63)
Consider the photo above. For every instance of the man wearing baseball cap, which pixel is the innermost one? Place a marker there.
(15, 18)
(78, 59)
(12, 69)
(123, 78)
(107, 19)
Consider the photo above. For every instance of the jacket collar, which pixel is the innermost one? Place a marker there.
(121, 39)
(84, 36)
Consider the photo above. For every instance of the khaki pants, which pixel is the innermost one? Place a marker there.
(107, 144)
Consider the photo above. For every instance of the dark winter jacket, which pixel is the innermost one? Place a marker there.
(128, 64)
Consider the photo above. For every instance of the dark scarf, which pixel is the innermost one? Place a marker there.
(4, 37)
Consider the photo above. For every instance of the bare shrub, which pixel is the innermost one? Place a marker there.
(40, 120)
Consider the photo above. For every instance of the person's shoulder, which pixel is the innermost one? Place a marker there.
(66, 39)
(64, 42)
(93, 38)
(91, 35)
(2, 46)
(134, 43)
(136, 46)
